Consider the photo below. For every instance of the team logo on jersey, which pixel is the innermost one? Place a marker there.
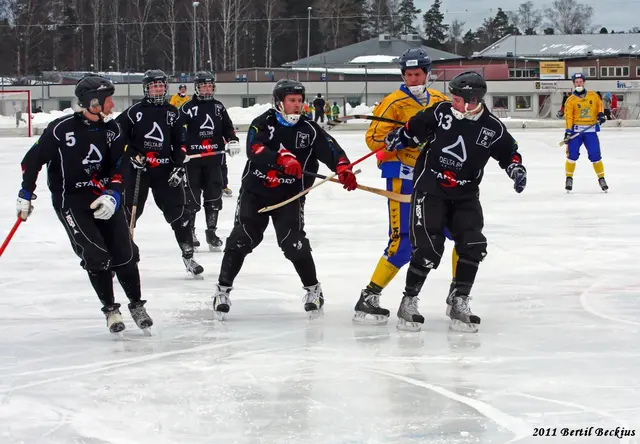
(218, 110)
(458, 150)
(406, 172)
(302, 140)
(111, 136)
(485, 138)
(273, 178)
(153, 161)
(208, 123)
(171, 117)
(93, 156)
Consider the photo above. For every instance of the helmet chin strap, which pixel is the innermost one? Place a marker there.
(290, 118)
(473, 114)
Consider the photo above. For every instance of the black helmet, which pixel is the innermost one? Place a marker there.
(415, 58)
(469, 85)
(93, 90)
(182, 85)
(152, 76)
(201, 78)
(284, 87)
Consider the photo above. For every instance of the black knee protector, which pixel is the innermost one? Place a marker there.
(242, 239)
(97, 263)
(472, 246)
(430, 253)
(295, 246)
(211, 215)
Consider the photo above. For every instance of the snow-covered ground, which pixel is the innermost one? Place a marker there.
(559, 296)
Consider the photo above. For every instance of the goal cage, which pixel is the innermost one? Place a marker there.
(15, 113)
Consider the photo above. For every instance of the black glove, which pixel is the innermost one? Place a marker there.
(518, 173)
(139, 162)
(601, 118)
(397, 140)
(176, 176)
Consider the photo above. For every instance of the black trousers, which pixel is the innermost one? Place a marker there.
(249, 226)
(225, 173)
(430, 214)
(205, 182)
(100, 244)
(319, 116)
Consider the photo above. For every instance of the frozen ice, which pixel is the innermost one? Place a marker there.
(557, 349)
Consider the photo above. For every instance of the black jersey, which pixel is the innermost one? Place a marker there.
(306, 140)
(452, 164)
(153, 131)
(207, 127)
(83, 159)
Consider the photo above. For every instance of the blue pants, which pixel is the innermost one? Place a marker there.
(398, 251)
(590, 141)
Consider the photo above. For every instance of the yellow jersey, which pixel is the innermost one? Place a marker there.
(400, 105)
(177, 100)
(580, 112)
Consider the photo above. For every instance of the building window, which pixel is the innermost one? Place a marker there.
(614, 71)
(523, 103)
(637, 71)
(521, 73)
(500, 102)
(248, 101)
(64, 104)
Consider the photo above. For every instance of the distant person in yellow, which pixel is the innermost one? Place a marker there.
(583, 113)
(180, 98)
(398, 169)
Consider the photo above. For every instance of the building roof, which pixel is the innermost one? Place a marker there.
(564, 46)
(378, 49)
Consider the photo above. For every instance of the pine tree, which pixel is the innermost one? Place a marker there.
(434, 28)
(408, 15)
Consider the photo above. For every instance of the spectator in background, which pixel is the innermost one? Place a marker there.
(565, 96)
(606, 102)
(335, 111)
(181, 97)
(327, 111)
(37, 110)
(614, 106)
(318, 105)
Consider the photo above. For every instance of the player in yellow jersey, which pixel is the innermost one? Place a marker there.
(397, 168)
(583, 113)
(180, 98)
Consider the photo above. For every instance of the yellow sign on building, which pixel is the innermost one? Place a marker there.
(552, 70)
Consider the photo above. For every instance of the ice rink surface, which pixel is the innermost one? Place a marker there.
(558, 346)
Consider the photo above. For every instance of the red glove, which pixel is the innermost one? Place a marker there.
(291, 165)
(346, 176)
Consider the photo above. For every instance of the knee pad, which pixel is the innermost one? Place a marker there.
(399, 251)
(243, 240)
(295, 246)
(472, 246)
(96, 263)
(213, 205)
(429, 255)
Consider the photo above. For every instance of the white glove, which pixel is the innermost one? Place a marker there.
(23, 204)
(178, 174)
(105, 206)
(234, 148)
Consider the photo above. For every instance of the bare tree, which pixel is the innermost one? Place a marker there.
(272, 8)
(527, 19)
(23, 15)
(141, 11)
(97, 13)
(333, 22)
(115, 13)
(169, 31)
(456, 29)
(569, 17)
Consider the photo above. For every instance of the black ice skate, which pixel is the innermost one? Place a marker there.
(368, 310)
(603, 184)
(140, 315)
(462, 319)
(452, 287)
(214, 242)
(221, 302)
(313, 301)
(568, 184)
(196, 241)
(114, 318)
(409, 318)
(193, 268)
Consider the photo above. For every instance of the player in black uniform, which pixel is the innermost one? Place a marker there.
(208, 128)
(280, 143)
(83, 154)
(155, 149)
(462, 135)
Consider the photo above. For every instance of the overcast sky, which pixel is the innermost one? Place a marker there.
(613, 14)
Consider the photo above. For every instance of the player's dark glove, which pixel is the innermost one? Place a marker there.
(518, 173)
(567, 135)
(176, 176)
(601, 118)
(139, 162)
(345, 175)
(397, 140)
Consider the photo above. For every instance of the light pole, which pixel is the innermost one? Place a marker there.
(308, 39)
(195, 37)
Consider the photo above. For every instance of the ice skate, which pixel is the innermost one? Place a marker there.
(603, 184)
(462, 319)
(196, 241)
(313, 301)
(221, 302)
(227, 192)
(568, 184)
(452, 287)
(409, 318)
(114, 318)
(214, 242)
(368, 310)
(140, 315)
(193, 268)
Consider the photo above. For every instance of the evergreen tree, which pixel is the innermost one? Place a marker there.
(434, 28)
(408, 15)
